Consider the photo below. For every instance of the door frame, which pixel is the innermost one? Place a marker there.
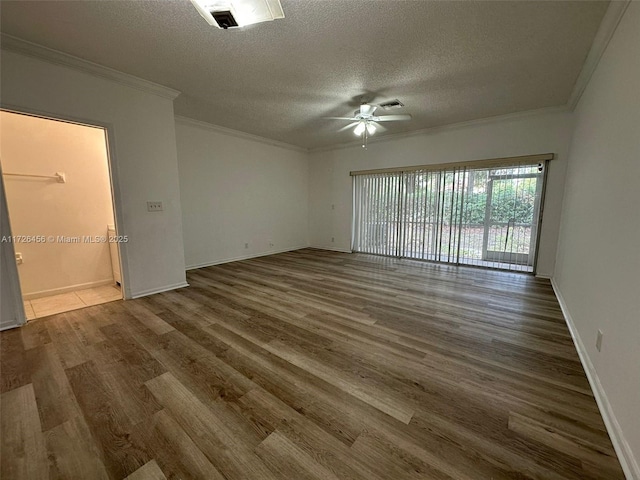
(503, 256)
(114, 176)
(9, 268)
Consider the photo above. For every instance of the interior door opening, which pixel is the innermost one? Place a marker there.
(59, 196)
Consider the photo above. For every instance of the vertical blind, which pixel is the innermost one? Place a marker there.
(484, 216)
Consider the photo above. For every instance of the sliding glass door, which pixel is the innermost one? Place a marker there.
(511, 209)
(475, 216)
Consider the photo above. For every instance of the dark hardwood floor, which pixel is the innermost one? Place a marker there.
(306, 365)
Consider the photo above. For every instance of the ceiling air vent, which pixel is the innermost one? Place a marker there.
(392, 104)
(224, 19)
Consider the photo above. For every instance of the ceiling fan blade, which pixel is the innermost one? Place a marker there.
(379, 127)
(366, 109)
(340, 118)
(392, 118)
(347, 127)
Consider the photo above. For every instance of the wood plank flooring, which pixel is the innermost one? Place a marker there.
(306, 365)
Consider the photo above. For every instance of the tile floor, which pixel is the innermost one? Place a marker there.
(64, 302)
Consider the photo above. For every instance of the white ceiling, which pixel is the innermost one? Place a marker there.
(447, 61)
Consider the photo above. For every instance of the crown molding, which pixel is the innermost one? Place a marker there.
(607, 28)
(443, 128)
(610, 21)
(237, 133)
(15, 44)
(608, 25)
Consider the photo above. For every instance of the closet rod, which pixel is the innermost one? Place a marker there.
(59, 177)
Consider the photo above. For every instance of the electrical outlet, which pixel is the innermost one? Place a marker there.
(271, 244)
(18, 258)
(154, 206)
(333, 206)
(599, 340)
(246, 245)
(333, 239)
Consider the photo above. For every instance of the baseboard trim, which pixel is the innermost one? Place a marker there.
(243, 257)
(331, 249)
(9, 326)
(151, 291)
(71, 288)
(620, 445)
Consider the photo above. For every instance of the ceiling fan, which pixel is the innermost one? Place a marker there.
(365, 122)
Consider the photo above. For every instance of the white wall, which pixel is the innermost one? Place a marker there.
(236, 190)
(43, 207)
(143, 152)
(330, 184)
(598, 265)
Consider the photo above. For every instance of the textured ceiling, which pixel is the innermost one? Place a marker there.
(448, 62)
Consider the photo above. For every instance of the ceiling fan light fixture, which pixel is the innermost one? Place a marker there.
(365, 122)
(238, 13)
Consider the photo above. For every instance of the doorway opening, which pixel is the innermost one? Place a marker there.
(59, 195)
